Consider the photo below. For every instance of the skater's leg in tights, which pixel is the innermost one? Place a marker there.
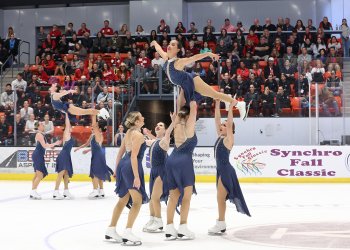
(174, 195)
(221, 199)
(118, 209)
(155, 198)
(66, 180)
(59, 179)
(100, 184)
(38, 177)
(79, 111)
(95, 182)
(205, 90)
(135, 208)
(185, 204)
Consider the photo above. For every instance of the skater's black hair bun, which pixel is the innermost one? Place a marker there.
(102, 124)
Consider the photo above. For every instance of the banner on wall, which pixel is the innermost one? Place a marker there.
(248, 161)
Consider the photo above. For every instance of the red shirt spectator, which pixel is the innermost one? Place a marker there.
(42, 76)
(81, 71)
(117, 60)
(83, 30)
(55, 32)
(49, 44)
(243, 71)
(253, 37)
(108, 75)
(143, 61)
(49, 64)
(106, 30)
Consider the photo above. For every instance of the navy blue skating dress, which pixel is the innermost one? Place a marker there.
(182, 79)
(125, 176)
(229, 179)
(157, 159)
(64, 160)
(38, 158)
(59, 105)
(98, 165)
(179, 167)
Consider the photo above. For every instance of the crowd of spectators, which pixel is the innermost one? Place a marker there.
(264, 65)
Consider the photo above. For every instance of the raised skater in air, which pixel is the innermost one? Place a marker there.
(64, 166)
(66, 107)
(191, 83)
(99, 171)
(130, 180)
(38, 159)
(158, 184)
(180, 172)
(228, 187)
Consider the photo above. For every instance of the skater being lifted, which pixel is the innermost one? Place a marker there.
(191, 83)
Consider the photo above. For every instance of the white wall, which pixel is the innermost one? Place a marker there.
(24, 21)
(275, 131)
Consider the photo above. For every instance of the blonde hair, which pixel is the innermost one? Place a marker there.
(131, 119)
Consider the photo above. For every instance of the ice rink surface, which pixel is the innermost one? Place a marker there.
(284, 216)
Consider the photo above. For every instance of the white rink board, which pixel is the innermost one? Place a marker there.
(249, 161)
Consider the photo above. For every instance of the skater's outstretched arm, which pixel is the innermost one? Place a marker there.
(181, 63)
(137, 140)
(191, 121)
(164, 143)
(217, 116)
(86, 144)
(40, 138)
(57, 96)
(148, 133)
(159, 49)
(228, 141)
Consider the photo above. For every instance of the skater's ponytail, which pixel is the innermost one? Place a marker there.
(131, 119)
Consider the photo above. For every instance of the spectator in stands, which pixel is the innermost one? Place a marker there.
(288, 70)
(282, 101)
(89, 63)
(209, 36)
(226, 85)
(243, 71)
(279, 46)
(80, 51)
(249, 48)
(327, 100)
(35, 96)
(49, 65)
(77, 97)
(30, 128)
(256, 26)
(272, 69)
(267, 102)
(285, 84)
(97, 86)
(68, 83)
(239, 38)
(309, 35)
(48, 128)
(139, 32)
(55, 32)
(299, 26)
(333, 59)
(39, 110)
(83, 84)
(65, 67)
(318, 46)
(163, 27)
(193, 37)
(252, 97)
(104, 96)
(225, 37)
(106, 30)
(205, 48)
(271, 83)
(262, 49)
(228, 68)
(345, 37)
(308, 46)
(115, 43)
(287, 26)
(253, 37)
(116, 60)
(11, 44)
(81, 71)
(69, 29)
(309, 25)
(142, 65)
(96, 72)
(123, 29)
(270, 38)
(198, 70)
(7, 96)
(290, 56)
(129, 62)
(20, 125)
(128, 42)
(119, 136)
(222, 49)
(3, 56)
(153, 36)
(86, 41)
(180, 28)
(228, 26)
(89, 96)
(26, 111)
(100, 62)
(83, 30)
(209, 26)
(268, 25)
(258, 73)
(305, 69)
(99, 44)
(240, 86)
(317, 72)
(304, 56)
(27, 74)
(334, 84)
(19, 85)
(192, 28)
(192, 48)
(291, 42)
(4, 131)
(157, 60)
(280, 22)
(301, 86)
(326, 25)
(42, 75)
(164, 45)
(41, 36)
(63, 46)
(333, 43)
(212, 75)
(164, 37)
(108, 75)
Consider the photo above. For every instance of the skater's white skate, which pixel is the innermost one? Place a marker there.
(129, 239)
(112, 235)
(94, 194)
(218, 229)
(156, 226)
(57, 195)
(34, 195)
(170, 232)
(67, 195)
(185, 234)
(151, 219)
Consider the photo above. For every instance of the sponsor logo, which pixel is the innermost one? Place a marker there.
(250, 162)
